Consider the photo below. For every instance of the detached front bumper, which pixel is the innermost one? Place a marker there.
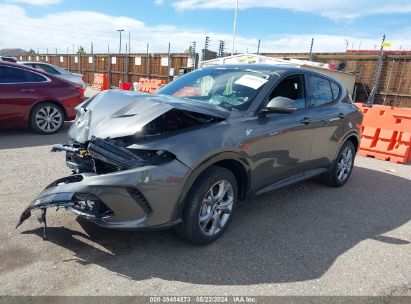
(138, 198)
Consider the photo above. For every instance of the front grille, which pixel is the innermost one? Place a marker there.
(140, 199)
(108, 152)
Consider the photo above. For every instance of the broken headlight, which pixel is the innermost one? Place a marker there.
(153, 157)
(80, 128)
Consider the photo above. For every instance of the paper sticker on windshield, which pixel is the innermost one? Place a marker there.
(251, 81)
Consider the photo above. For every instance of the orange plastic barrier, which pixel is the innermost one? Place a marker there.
(100, 82)
(386, 133)
(150, 85)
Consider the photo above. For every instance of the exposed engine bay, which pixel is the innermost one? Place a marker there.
(111, 154)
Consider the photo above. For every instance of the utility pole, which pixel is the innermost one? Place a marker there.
(168, 62)
(235, 26)
(221, 49)
(126, 65)
(108, 65)
(93, 60)
(129, 42)
(258, 46)
(193, 52)
(377, 75)
(310, 56)
(68, 58)
(206, 44)
(119, 49)
(79, 59)
(148, 62)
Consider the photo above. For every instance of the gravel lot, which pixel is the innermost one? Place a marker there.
(305, 239)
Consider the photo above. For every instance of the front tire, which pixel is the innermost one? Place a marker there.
(209, 206)
(341, 171)
(46, 118)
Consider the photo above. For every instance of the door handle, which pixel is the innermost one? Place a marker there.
(28, 90)
(341, 116)
(306, 120)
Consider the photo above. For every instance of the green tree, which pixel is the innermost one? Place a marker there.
(81, 51)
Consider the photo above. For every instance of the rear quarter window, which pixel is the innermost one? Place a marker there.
(335, 89)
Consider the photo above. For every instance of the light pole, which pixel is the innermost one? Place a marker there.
(119, 49)
(129, 42)
(235, 26)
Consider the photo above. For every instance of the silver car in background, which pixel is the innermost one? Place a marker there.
(57, 71)
(8, 59)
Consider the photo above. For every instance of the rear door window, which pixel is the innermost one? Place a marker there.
(319, 91)
(16, 75)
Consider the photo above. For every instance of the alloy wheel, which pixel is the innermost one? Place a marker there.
(48, 119)
(216, 208)
(345, 164)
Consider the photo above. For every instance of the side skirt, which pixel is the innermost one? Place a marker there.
(293, 179)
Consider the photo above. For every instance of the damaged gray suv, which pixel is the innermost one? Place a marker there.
(185, 156)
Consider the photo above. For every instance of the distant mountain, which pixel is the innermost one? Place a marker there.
(12, 52)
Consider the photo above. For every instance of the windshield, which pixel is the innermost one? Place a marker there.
(232, 89)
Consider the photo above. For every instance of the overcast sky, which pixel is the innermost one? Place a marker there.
(281, 25)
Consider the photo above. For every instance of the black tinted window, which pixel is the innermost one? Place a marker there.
(336, 90)
(292, 87)
(16, 75)
(9, 59)
(46, 68)
(319, 91)
(33, 77)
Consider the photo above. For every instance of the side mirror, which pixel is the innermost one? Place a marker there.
(281, 105)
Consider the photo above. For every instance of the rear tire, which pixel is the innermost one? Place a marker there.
(46, 118)
(341, 171)
(209, 206)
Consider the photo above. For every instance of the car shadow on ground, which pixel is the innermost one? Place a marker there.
(292, 234)
(14, 138)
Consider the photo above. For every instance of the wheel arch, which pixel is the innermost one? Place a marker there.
(354, 137)
(55, 102)
(355, 140)
(231, 161)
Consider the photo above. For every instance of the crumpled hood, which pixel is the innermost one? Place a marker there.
(116, 113)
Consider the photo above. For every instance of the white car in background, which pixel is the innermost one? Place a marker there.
(56, 71)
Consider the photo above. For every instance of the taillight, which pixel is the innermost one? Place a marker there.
(80, 91)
